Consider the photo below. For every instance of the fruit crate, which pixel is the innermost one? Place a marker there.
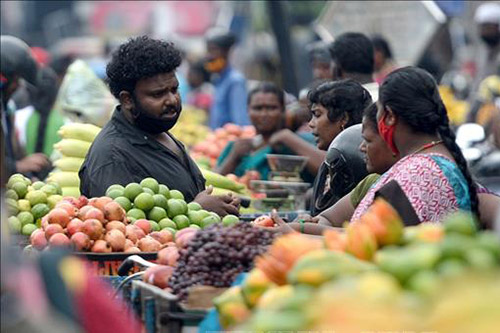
(161, 312)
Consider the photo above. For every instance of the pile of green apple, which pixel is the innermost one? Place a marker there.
(164, 208)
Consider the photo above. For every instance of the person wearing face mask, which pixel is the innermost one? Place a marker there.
(487, 18)
(230, 85)
(135, 143)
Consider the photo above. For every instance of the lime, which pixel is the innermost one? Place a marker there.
(131, 220)
(230, 220)
(28, 229)
(49, 190)
(154, 226)
(17, 178)
(209, 220)
(40, 210)
(150, 183)
(14, 224)
(157, 214)
(38, 185)
(24, 205)
(11, 194)
(25, 218)
(132, 190)
(176, 207)
(115, 193)
(160, 201)
(181, 221)
(11, 206)
(167, 223)
(136, 214)
(20, 188)
(195, 226)
(148, 191)
(171, 230)
(174, 194)
(53, 200)
(56, 185)
(163, 189)
(144, 201)
(194, 206)
(114, 187)
(124, 202)
(204, 212)
(196, 216)
(36, 197)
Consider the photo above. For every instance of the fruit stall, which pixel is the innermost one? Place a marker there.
(181, 268)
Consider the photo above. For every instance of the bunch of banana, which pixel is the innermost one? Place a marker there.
(76, 141)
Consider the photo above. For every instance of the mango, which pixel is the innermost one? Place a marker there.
(321, 266)
(231, 307)
(256, 284)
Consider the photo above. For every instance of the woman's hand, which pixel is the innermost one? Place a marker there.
(307, 218)
(281, 225)
(242, 147)
(220, 204)
(280, 137)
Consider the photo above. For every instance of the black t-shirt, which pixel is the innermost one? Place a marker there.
(122, 154)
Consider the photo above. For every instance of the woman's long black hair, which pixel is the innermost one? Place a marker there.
(412, 94)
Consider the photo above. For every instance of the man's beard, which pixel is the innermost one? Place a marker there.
(152, 124)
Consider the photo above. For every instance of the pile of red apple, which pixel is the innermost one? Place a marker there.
(100, 225)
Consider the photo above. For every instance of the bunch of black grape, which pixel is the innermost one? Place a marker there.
(217, 254)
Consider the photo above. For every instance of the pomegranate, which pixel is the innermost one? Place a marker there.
(159, 276)
(144, 225)
(148, 244)
(53, 229)
(80, 241)
(83, 211)
(116, 225)
(100, 246)
(168, 256)
(45, 222)
(162, 236)
(95, 213)
(93, 228)
(116, 239)
(74, 226)
(99, 203)
(134, 233)
(81, 201)
(59, 216)
(128, 244)
(69, 208)
(38, 239)
(132, 249)
(58, 240)
(113, 211)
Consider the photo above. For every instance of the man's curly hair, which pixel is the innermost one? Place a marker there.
(140, 58)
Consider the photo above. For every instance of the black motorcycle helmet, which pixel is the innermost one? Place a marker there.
(344, 167)
(16, 60)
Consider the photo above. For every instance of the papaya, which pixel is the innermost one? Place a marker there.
(73, 147)
(384, 222)
(217, 180)
(78, 131)
(322, 266)
(69, 163)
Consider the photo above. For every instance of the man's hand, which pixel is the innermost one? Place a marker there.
(32, 163)
(220, 204)
(242, 147)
